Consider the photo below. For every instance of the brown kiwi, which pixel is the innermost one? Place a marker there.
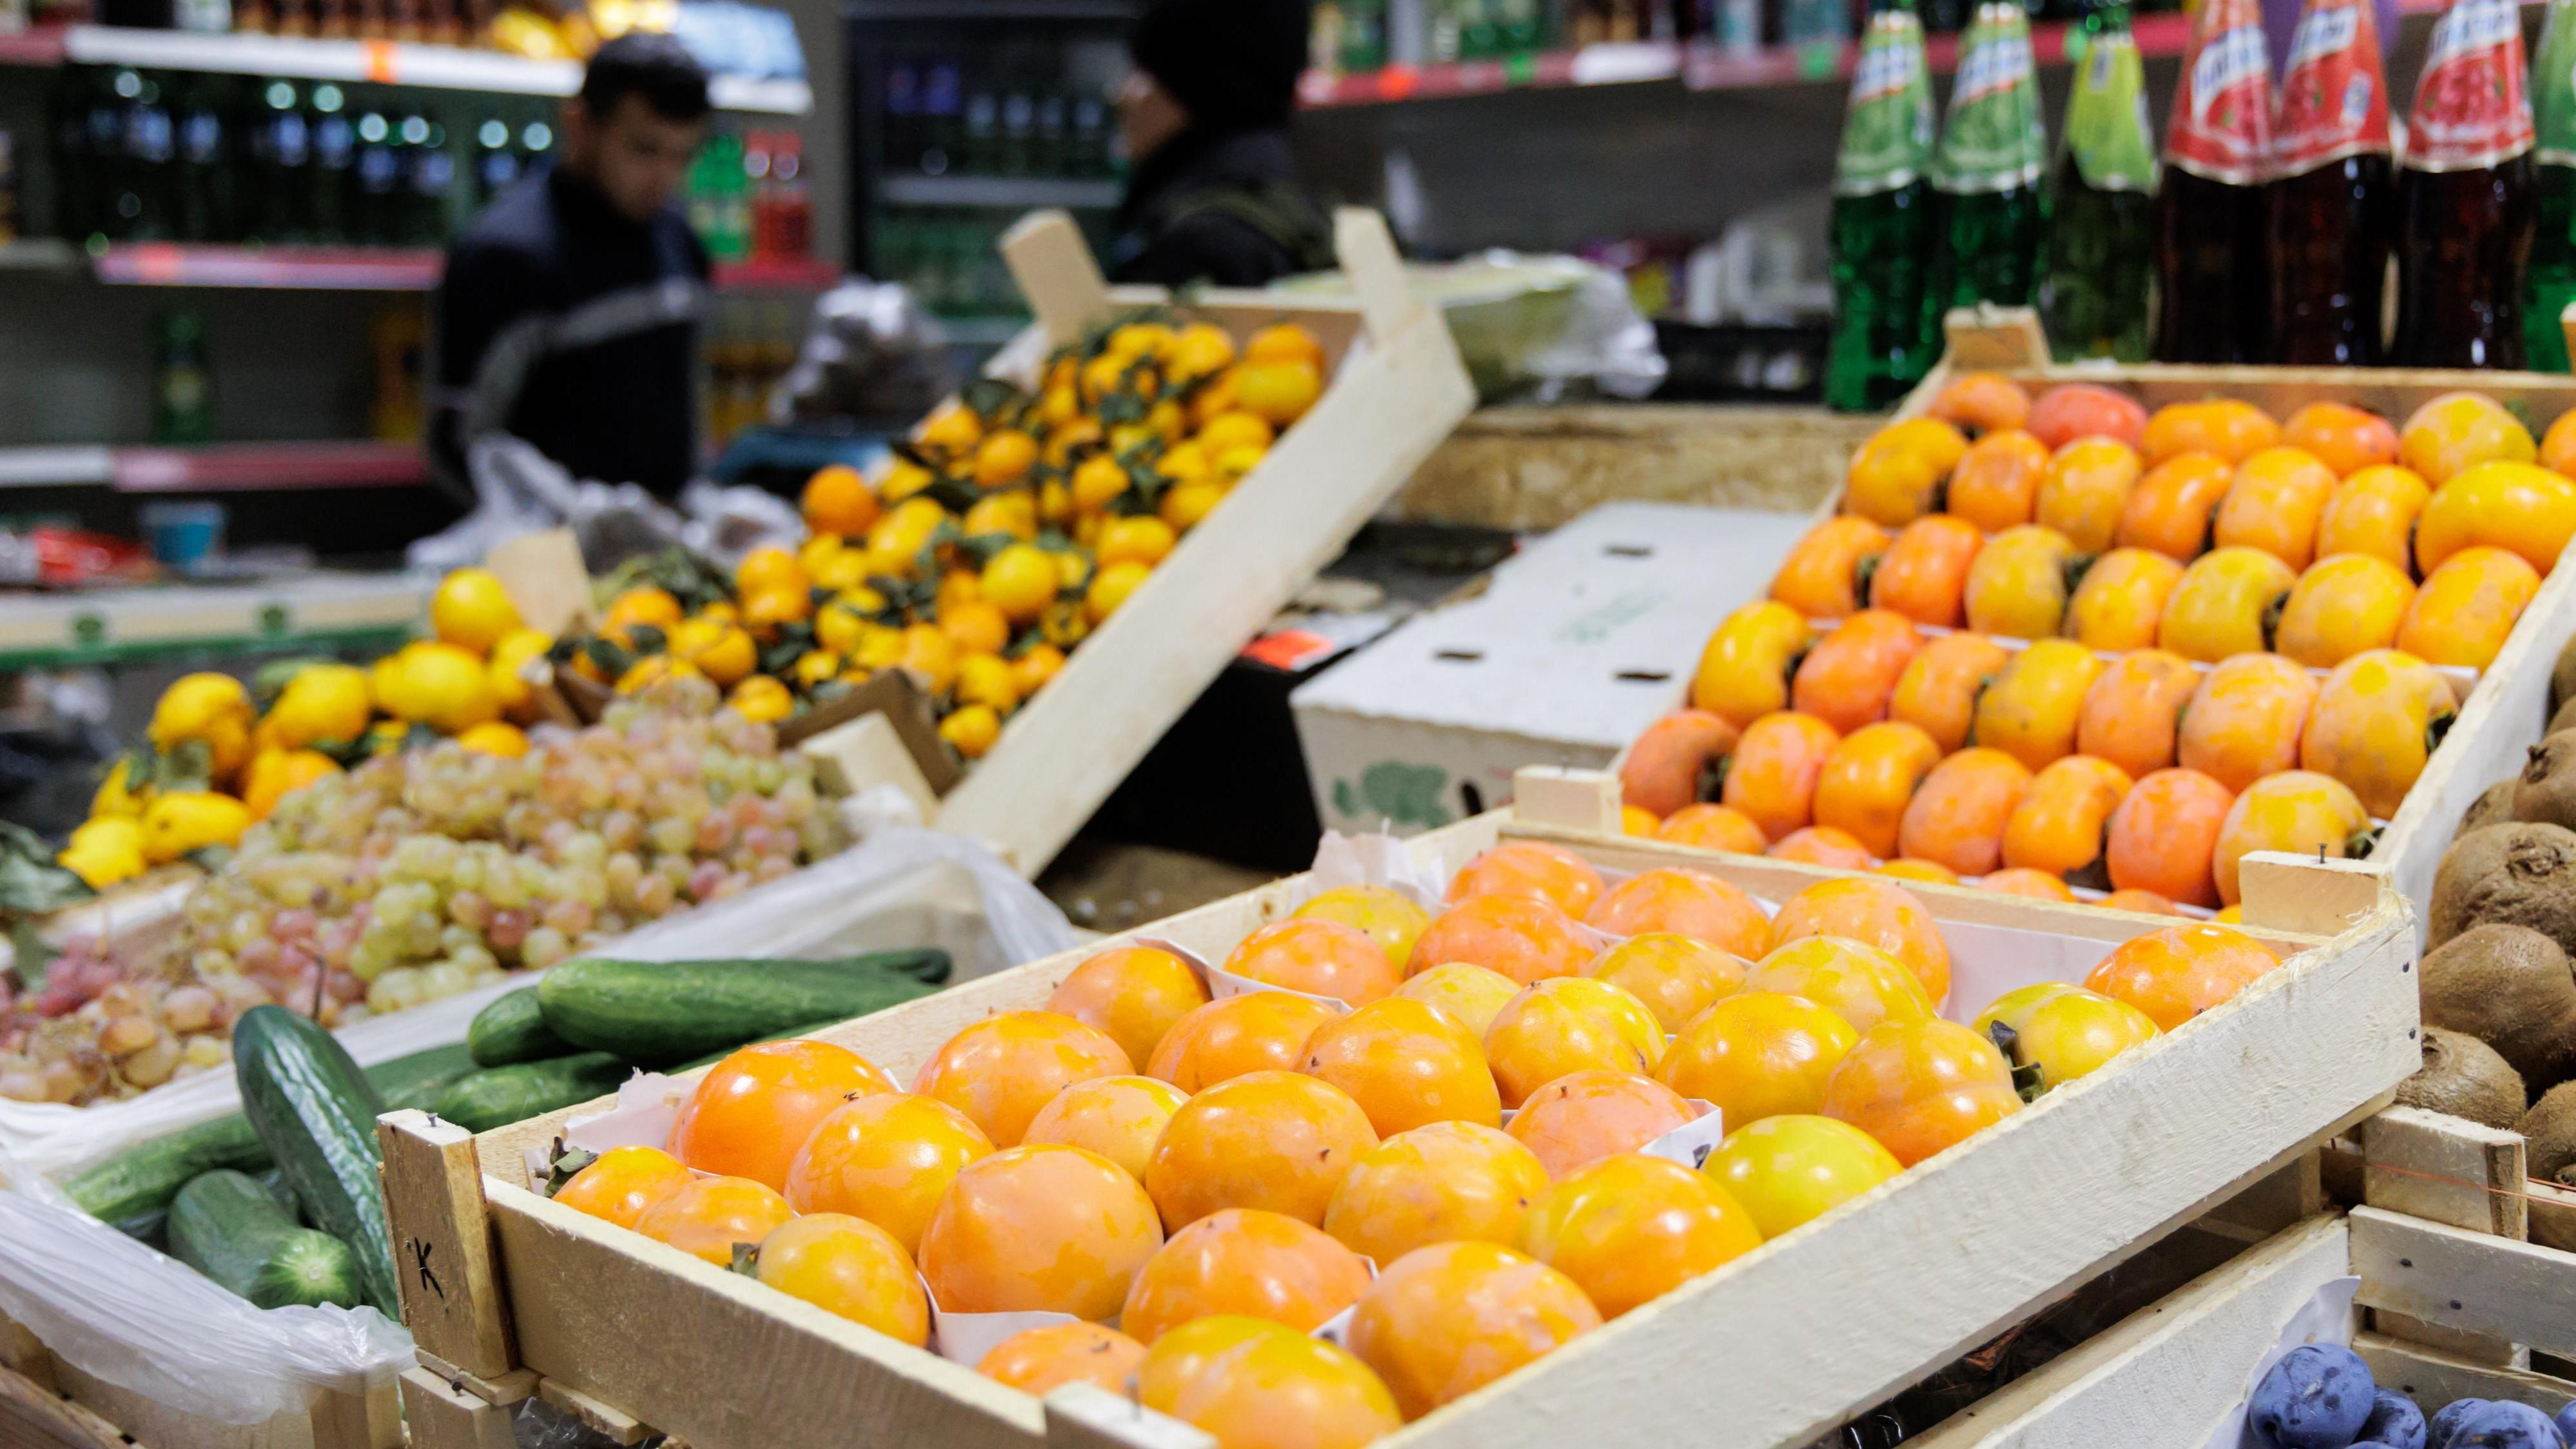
(2494, 806)
(2463, 1077)
(2546, 792)
(2562, 678)
(2511, 987)
(2551, 1127)
(2521, 874)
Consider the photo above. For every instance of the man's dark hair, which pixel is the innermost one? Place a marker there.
(1232, 63)
(654, 66)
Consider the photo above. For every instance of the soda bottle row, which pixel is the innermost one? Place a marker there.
(941, 118)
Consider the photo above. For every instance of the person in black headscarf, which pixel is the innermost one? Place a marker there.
(1213, 194)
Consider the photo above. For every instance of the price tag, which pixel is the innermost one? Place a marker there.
(377, 59)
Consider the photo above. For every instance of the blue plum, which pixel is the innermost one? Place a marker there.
(2446, 1424)
(2316, 1397)
(2394, 1421)
(2507, 1425)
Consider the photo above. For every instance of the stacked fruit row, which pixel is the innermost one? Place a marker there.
(2117, 722)
(1009, 527)
(1480, 1103)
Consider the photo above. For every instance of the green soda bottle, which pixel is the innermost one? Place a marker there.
(2551, 282)
(1882, 221)
(2098, 251)
(1988, 167)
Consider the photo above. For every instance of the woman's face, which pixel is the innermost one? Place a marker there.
(1148, 115)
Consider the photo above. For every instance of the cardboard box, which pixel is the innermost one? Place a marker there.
(1577, 644)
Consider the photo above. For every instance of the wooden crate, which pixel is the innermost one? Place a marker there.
(2455, 1299)
(1771, 1349)
(45, 1402)
(2502, 714)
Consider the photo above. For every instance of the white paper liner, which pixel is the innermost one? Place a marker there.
(648, 1106)
(964, 1338)
(1378, 859)
(2325, 1318)
(1222, 983)
(1692, 1142)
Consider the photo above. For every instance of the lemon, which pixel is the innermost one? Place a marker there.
(472, 610)
(762, 700)
(509, 663)
(104, 851)
(208, 707)
(764, 569)
(117, 796)
(184, 820)
(987, 679)
(973, 730)
(1112, 585)
(814, 666)
(495, 738)
(654, 669)
(275, 774)
(322, 702)
(444, 687)
(1021, 580)
(723, 652)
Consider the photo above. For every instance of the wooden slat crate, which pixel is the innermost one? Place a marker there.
(46, 1402)
(2502, 715)
(1771, 1349)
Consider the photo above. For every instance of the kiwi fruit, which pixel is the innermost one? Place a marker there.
(2494, 806)
(2563, 718)
(2546, 792)
(2562, 678)
(2511, 987)
(2550, 1126)
(2522, 874)
(2463, 1077)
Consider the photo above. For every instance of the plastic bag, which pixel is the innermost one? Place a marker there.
(872, 352)
(119, 1311)
(519, 490)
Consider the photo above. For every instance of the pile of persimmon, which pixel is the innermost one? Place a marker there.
(1424, 1134)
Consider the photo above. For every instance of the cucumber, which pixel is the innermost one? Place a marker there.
(499, 1096)
(225, 1225)
(513, 1029)
(657, 1012)
(316, 1113)
(131, 1191)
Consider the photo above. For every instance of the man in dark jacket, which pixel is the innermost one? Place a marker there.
(1213, 195)
(568, 314)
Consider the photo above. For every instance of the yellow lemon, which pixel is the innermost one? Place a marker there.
(723, 652)
(509, 662)
(1112, 586)
(1135, 540)
(987, 679)
(1202, 350)
(1097, 483)
(973, 730)
(104, 851)
(275, 774)
(180, 821)
(116, 795)
(322, 702)
(472, 610)
(1021, 580)
(1236, 429)
(208, 707)
(815, 666)
(495, 738)
(1188, 505)
(444, 687)
(762, 700)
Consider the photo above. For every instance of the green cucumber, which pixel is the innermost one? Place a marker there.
(513, 1029)
(499, 1096)
(655, 1013)
(225, 1225)
(316, 1113)
(131, 1191)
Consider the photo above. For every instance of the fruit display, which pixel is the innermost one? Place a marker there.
(1292, 1220)
(2322, 1396)
(421, 874)
(1009, 526)
(219, 755)
(2059, 643)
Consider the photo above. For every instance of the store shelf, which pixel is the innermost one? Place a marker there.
(216, 468)
(806, 274)
(443, 67)
(1008, 192)
(139, 625)
(372, 269)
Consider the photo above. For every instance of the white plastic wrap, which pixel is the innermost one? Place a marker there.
(520, 490)
(121, 1312)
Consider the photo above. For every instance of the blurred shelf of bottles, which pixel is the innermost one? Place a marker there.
(745, 345)
(2278, 226)
(1017, 126)
(951, 258)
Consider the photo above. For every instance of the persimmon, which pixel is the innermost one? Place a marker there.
(1921, 1087)
(2467, 607)
(1820, 579)
(747, 1116)
(1924, 573)
(619, 1184)
(1039, 1227)
(1523, 937)
(848, 1267)
(1847, 678)
(1957, 817)
(2132, 716)
(1629, 1229)
(1253, 1384)
(2298, 811)
(1897, 474)
(707, 1217)
(2375, 723)
(1869, 778)
(1131, 994)
(2343, 606)
(2073, 410)
(1714, 827)
(2244, 721)
(1552, 873)
(1822, 845)
(2274, 504)
(1121, 1118)
(1675, 976)
(2032, 709)
(1472, 995)
(2085, 489)
(1981, 402)
(1001, 1070)
(1040, 1360)
(1444, 1321)
(1772, 775)
(1279, 1141)
(2121, 600)
(1672, 761)
(1687, 902)
(1569, 1024)
(1996, 484)
(2229, 427)
(1387, 916)
(2174, 508)
(1744, 669)
(1406, 1063)
(2018, 586)
(2059, 826)
(1442, 1183)
(1318, 957)
(885, 1158)
(2163, 833)
(1583, 1117)
(1757, 1054)
(2341, 436)
(1789, 1170)
(2374, 512)
(1875, 913)
(1938, 692)
(1255, 1032)
(1247, 1261)
(2179, 972)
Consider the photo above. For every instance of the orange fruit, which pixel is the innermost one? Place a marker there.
(2032, 709)
(1629, 1229)
(1713, 827)
(1744, 668)
(1253, 1384)
(1259, 1031)
(2299, 811)
(1856, 981)
(1996, 485)
(2073, 410)
(1001, 1070)
(886, 1158)
(2231, 428)
(849, 1267)
(1897, 473)
(1583, 1117)
(2376, 720)
(2057, 829)
(1569, 1024)
(1045, 1358)
(2274, 504)
(1273, 1140)
(2174, 507)
(1982, 402)
(1246, 1261)
(2162, 835)
(2244, 721)
(1757, 1054)
(1820, 579)
(2179, 972)
(1822, 845)
(1471, 994)
(1924, 573)
(2459, 430)
(1531, 868)
(1406, 1063)
(1522, 937)
(1874, 913)
(838, 501)
(707, 1216)
(1387, 917)
(1669, 763)
(1317, 957)
(622, 1182)
(2017, 588)
(2343, 437)
(1444, 1321)
(747, 1116)
(1131, 994)
(2086, 486)
(2121, 600)
(1675, 976)
(1443, 1183)
(2374, 512)
(1868, 779)
(1039, 1227)
(1958, 815)
(2468, 607)
(1847, 679)
(1686, 903)
(1938, 691)
(2133, 713)
(1921, 1087)
(1121, 1118)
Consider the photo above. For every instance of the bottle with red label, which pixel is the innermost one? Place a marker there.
(2213, 226)
(2552, 283)
(2334, 200)
(2465, 196)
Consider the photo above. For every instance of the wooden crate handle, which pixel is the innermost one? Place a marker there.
(1567, 799)
(1366, 250)
(443, 1268)
(2315, 897)
(1990, 337)
(1057, 273)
